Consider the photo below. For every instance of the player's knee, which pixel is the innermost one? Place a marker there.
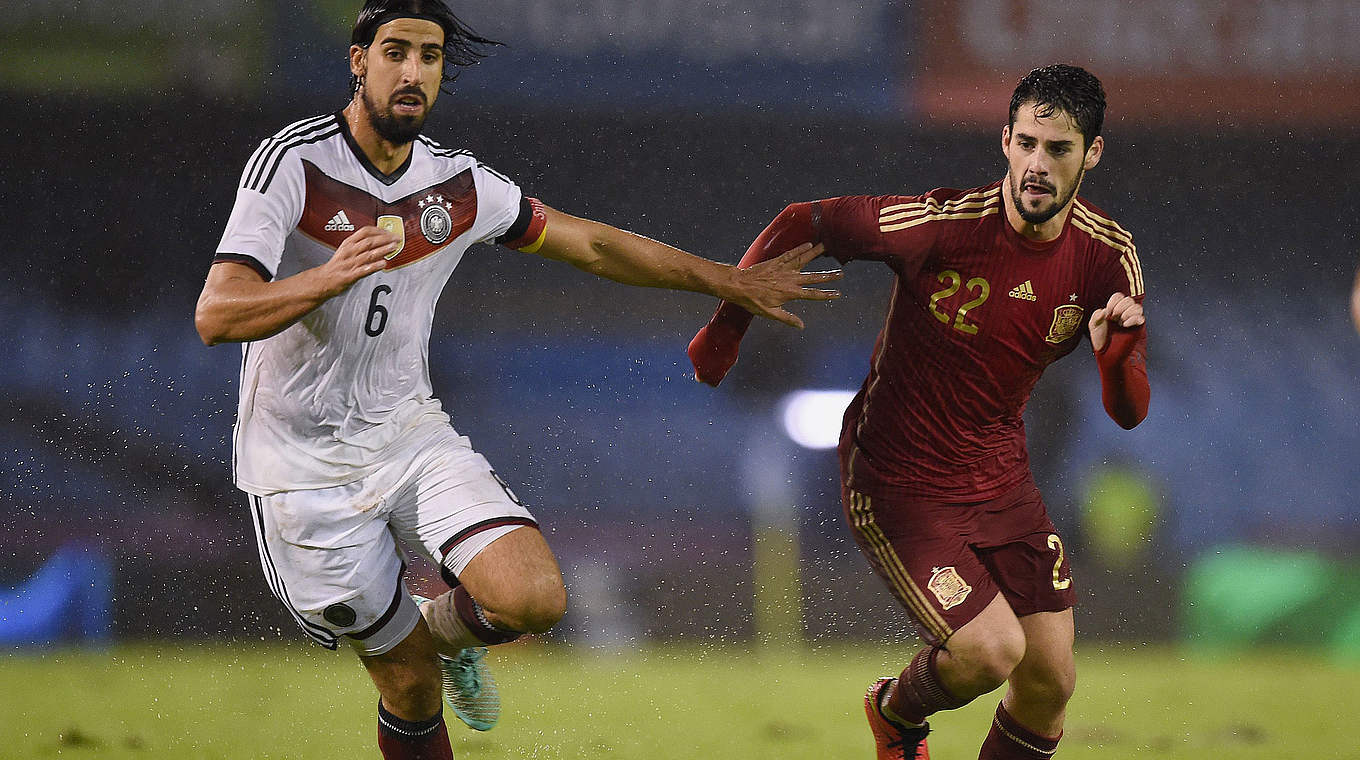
(1049, 686)
(1063, 687)
(538, 608)
(990, 660)
(998, 661)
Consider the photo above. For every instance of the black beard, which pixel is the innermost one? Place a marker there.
(1039, 217)
(398, 131)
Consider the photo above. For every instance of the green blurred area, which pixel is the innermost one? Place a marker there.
(1238, 596)
(1232, 597)
(225, 53)
(1119, 514)
(659, 703)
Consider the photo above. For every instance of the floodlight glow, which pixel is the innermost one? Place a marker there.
(812, 419)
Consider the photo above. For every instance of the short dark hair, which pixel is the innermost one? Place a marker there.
(1061, 88)
(462, 46)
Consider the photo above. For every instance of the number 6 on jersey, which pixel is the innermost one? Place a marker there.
(377, 313)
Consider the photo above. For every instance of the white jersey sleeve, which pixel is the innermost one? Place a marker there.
(500, 197)
(263, 218)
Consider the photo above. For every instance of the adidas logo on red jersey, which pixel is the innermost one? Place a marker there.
(1024, 291)
(339, 223)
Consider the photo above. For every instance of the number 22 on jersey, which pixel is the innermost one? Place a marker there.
(976, 287)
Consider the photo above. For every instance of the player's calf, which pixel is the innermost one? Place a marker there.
(938, 678)
(1011, 740)
(919, 691)
(410, 716)
(408, 676)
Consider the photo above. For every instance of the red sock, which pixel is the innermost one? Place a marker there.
(1008, 740)
(919, 692)
(412, 740)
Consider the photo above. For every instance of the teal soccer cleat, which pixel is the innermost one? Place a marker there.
(469, 688)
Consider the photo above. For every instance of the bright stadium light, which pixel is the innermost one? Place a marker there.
(812, 418)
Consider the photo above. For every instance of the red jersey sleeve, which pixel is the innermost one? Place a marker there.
(1125, 390)
(887, 228)
(854, 227)
(714, 348)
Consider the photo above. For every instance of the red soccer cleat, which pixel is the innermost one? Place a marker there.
(893, 742)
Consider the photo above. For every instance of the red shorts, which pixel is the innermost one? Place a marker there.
(946, 562)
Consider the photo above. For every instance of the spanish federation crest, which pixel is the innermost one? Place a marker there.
(948, 586)
(1066, 323)
(435, 222)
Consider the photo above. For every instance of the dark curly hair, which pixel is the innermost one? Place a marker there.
(462, 46)
(1067, 89)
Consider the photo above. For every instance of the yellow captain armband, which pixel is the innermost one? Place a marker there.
(529, 229)
(538, 243)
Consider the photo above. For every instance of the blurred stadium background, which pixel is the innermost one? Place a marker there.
(1229, 517)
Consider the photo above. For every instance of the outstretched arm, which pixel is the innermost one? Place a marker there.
(635, 260)
(237, 304)
(713, 350)
(1119, 338)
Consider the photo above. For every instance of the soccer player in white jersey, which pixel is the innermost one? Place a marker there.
(346, 228)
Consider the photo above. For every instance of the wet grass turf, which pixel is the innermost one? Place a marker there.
(665, 702)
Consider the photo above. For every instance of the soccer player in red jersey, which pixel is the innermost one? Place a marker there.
(992, 285)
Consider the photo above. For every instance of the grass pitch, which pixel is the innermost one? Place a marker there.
(662, 703)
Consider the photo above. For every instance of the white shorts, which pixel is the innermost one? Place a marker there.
(333, 556)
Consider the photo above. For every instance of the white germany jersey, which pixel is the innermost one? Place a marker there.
(322, 400)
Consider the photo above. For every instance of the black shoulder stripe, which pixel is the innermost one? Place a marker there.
(435, 146)
(449, 153)
(283, 135)
(522, 222)
(439, 150)
(286, 134)
(248, 260)
(277, 151)
(278, 159)
(489, 170)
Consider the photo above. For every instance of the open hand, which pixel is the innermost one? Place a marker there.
(763, 288)
(1120, 312)
(359, 256)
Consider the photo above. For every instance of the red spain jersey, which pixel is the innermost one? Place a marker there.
(977, 313)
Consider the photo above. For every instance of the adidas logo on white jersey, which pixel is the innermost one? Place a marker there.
(339, 223)
(1024, 291)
